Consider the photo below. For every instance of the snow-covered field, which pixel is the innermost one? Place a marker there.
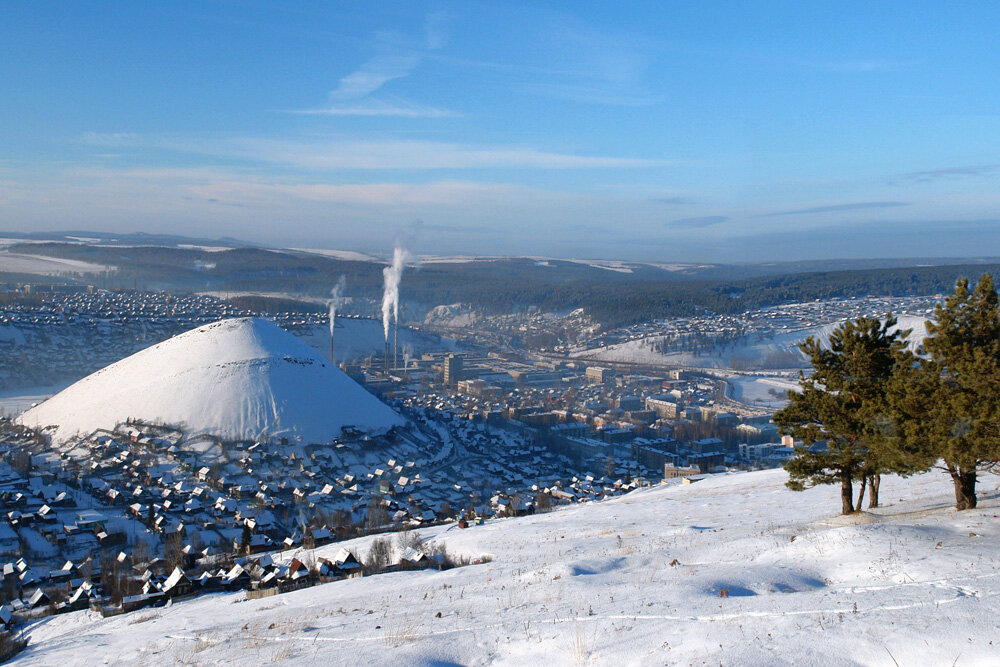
(753, 351)
(640, 579)
(347, 255)
(763, 390)
(11, 262)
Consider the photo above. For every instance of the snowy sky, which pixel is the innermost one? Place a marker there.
(641, 130)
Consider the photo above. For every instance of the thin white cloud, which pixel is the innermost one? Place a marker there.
(395, 106)
(440, 193)
(596, 66)
(430, 155)
(373, 75)
(328, 155)
(357, 93)
(840, 208)
(436, 29)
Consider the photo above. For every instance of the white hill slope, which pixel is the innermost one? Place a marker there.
(633, 580)
(234, 379)
(753, 351)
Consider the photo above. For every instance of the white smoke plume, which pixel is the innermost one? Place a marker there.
(336, 299)
(393, 275)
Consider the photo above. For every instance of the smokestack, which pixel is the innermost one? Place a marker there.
(336, 297)
(395, 346)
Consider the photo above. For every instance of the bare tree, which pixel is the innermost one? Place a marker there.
(376, 516)
(379, 555)
(173, 550)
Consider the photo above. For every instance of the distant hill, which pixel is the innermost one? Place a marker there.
(748, 353)
(613, 293)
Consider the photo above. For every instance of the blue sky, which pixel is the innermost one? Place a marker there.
(656, 131)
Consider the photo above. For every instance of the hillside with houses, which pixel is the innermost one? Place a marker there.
(734, 569)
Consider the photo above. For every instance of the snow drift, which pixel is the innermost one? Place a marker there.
(235, 379)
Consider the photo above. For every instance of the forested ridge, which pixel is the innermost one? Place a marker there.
(506, 284)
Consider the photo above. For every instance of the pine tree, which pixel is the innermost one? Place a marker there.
(245, 539)
(843, 403)
(947, 407)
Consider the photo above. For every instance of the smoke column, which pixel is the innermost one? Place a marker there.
(393, 275)
(336, 299)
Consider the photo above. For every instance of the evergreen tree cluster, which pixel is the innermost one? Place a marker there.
(872, 407)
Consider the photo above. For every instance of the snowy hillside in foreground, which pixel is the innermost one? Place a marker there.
(754, 353)
(633, 580)
(235, 379)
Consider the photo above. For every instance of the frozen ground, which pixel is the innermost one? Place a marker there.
(764, 390)
(347, 255)
(11, 262)
(733, 570)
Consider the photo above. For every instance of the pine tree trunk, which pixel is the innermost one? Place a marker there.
(861, 494)
(965, 487)
(846, 494)
(873, 483)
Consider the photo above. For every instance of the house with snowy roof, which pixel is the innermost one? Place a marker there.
(176, 584)
(6, 616)
(37, 599)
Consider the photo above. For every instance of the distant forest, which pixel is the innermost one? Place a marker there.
(506, 285)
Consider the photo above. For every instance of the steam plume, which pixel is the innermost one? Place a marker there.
(336, 299)
(393, 275)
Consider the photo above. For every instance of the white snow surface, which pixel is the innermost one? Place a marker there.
(634, 580)
(452, 315)
(347, 255)
(756, 350)
(47, 266)
(236, 379)
(762, 390)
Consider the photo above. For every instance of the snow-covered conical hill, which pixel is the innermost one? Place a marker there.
(235, 379)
